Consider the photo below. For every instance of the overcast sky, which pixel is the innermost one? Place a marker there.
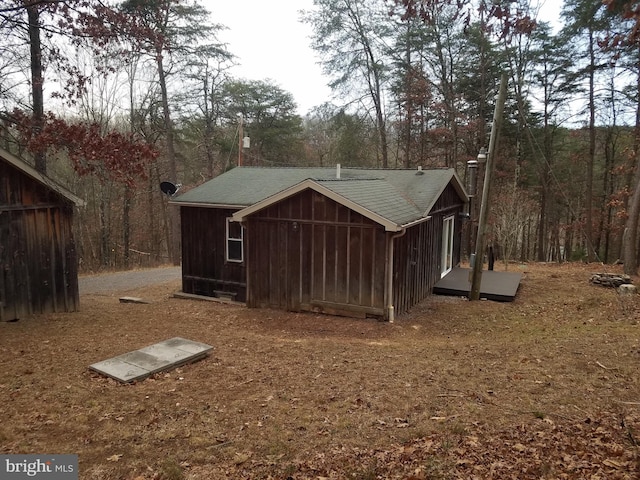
(271, 43)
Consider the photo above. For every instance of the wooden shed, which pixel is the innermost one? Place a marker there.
(362, 242)
(38, 265)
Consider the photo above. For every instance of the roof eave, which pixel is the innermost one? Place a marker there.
(41, 178)
(462, 191)
(457, 185)
(416, 222)
(207, 205)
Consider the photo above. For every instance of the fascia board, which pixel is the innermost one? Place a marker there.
(206, 205)
(462, 191)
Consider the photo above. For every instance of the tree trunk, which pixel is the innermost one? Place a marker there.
(33, 15)
(542, 226)
(104, 230)
(173, 246)
(448, 93)
(373, 82)
(375, 90)
(208, 129)
(629, 252)
(606, 211)
(126, 227)
(592, 152)
(630, 231)
(408, 101)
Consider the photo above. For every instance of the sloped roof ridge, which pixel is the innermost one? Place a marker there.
(345, 179)
(342, 167)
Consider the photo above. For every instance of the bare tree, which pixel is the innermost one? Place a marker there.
(352, 36)
(169, 31)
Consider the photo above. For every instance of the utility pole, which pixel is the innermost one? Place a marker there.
(472, 190)
(476, 278)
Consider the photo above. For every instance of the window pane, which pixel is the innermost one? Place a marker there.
(235, 230)
(448, 230)
(234, 250)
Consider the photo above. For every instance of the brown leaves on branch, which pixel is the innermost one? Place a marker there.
(498, 16)
(86, 24)
(111, 155)
(74, 20)
(627, 10)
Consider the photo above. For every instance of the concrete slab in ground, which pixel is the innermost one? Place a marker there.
(144, 362)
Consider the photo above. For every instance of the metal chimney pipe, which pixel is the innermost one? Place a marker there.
(472, 166)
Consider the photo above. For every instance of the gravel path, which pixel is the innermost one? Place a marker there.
(106, 283)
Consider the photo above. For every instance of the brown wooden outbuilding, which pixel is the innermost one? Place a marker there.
(38, 265)
(363, 242)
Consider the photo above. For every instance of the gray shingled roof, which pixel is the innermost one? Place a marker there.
(377, 196)
(400, 196)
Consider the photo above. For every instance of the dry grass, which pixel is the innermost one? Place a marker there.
(544, 387)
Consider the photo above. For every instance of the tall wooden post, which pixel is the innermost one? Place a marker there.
(476, 278)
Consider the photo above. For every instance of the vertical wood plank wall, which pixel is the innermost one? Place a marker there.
(38, 264)
(310, 253)
(418, 254)
(204, 269)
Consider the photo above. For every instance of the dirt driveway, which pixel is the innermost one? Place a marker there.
(107, 283)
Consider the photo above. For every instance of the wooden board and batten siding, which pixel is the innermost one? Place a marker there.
(310, 253)
(38, 263)
(360, 242)
(417, 262)
(205, 270)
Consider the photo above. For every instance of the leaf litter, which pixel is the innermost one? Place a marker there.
(545, 387)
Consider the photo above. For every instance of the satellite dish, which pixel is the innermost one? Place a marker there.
(169, 189)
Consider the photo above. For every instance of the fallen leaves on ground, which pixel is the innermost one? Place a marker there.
(544, 388)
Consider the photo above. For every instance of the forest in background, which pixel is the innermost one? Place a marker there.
(112, 99)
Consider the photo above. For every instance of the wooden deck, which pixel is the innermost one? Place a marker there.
(497, 286)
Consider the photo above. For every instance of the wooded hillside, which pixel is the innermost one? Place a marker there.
(110, 99)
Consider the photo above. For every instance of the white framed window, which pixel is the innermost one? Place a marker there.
(448, 229)
(234, 251)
